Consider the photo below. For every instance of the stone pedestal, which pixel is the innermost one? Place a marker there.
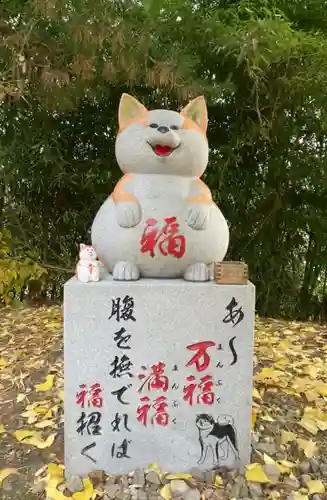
(157, 371)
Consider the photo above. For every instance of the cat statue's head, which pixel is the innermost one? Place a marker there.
(162, 141)
(87, 252)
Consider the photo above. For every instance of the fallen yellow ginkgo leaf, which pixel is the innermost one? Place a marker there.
(20, 397)
(154, 467)
(54, 494)
(55, 474)
(7, 472)
(2, 429)
(218, 481)
(254, 417)
(270, 461)
(255, 393)
(31, 416)
(309, 425)
(48, 414)
(39, 442)
(315, 486)
(181, 475)
(34, 438)
(287, 436)
(268, 374)
(47, 385)
(296, 495)
(45, 423)
(56, 470)
(322, 425)
(287, 464)
(267, 418)
(20, 435)
(313, 413)
(311, 395)
(166, 493)
(308, 446)
(273, 495)
(87, 493)
(282, 469)
(312, 371)
(53, 325)
(41, 409)
(54, 478)
(256, 474)
(308, 329)
(267, 459)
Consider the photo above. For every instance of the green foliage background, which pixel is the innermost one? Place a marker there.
(262, 67)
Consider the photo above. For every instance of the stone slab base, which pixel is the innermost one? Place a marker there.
(157, 371)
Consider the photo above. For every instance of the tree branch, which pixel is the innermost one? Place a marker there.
(55, 268)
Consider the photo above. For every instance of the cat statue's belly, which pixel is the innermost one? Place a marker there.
(160, 254)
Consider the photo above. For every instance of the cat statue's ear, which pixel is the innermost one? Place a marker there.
(129, 110)
(82, 246)
(196, 111)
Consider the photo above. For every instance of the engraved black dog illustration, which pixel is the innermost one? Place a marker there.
(213, 435)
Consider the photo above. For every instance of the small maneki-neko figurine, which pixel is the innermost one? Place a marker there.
(87, 268)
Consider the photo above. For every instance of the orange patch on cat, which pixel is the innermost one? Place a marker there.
(189, 124)
(204, 198)
(142, 120)
(120, 195)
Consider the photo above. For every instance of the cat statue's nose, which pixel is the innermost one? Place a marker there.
(163, 129)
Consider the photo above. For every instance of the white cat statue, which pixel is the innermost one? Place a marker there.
(161, 221)
(87, 268)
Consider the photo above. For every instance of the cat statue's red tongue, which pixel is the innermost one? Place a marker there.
(162, 150)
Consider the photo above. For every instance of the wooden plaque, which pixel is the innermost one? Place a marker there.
(231, 273)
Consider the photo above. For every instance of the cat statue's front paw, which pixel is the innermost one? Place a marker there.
(125, 271)
(198, 216)
(128, 214)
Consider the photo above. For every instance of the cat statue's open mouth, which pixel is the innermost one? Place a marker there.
(163, 150)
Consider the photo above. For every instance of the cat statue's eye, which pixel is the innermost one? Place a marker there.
(174, 127)
(153, 125)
